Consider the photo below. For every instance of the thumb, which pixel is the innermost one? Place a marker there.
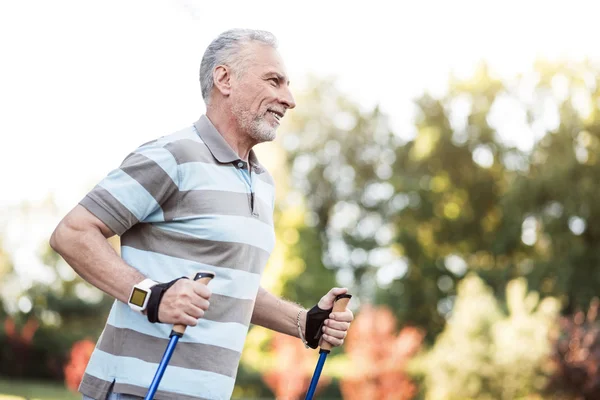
(327, 301)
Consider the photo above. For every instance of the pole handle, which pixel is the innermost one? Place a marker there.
(340, 304)
(203, 277)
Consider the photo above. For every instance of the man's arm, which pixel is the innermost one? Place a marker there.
(80, 238)
(279, 315)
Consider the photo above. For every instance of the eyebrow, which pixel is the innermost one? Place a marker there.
(280, 77)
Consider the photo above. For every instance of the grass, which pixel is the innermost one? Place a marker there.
(38, 390)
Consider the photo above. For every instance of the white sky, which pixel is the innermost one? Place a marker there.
(82, 83)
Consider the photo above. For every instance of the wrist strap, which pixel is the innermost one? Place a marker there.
(315, 318)
(300, 330)
(157, 293)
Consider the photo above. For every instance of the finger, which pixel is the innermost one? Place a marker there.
(178, 318)
(194, 312)
(200, 302)
(339, 325)
(337, 291)
(334, 292)
(344, 316)
(335, 342)
(327, 301)
(334, 333)
(187, 320)
(201, 289)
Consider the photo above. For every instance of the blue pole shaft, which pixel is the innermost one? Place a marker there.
(162, 367)
(316, 375)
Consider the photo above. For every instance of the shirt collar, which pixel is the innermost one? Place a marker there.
(220, 149)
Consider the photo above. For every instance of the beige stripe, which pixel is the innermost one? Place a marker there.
(187, 150)
(93, 387)
(129, 343)
(99, 388)
(109, 210)
(234, 255)
(160, 394)
(215, 141)
(215, 202)
(229, 309)
(153, 178)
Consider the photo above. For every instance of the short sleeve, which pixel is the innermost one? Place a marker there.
(137, 191)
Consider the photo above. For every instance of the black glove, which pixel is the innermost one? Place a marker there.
(315, 318)
(157, 293)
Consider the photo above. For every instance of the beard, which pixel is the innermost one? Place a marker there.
(257, 127)
(261, 130)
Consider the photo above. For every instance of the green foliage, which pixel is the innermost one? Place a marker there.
(315, 280)
(39, 390)
(64, 317)
(559, 192)
(335, 153)
(486, 352)
(498, 179)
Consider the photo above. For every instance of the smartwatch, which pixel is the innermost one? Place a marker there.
(140, 294)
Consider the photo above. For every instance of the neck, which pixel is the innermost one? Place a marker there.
(227, 125)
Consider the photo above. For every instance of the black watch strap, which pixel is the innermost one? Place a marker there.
(157, 292)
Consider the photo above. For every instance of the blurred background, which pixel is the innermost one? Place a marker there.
(442, 162)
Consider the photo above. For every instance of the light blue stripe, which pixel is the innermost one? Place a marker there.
(264, 191)
(229, 335)
(205, 176)
(162, 268)
(189, 382)
(226, 228)
(132, 195)
(163, 158)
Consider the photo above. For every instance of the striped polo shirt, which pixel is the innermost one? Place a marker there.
(183, 203)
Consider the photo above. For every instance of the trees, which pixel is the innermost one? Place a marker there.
(499, 180)
(48, 309)
(557, 196)
(487, 353)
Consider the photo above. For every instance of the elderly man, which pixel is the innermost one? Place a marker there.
(197, 199)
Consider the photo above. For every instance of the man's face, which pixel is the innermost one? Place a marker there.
(260, 95)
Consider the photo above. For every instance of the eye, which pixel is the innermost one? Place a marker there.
(274, 81)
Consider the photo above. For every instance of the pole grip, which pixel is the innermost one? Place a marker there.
(340, 304)
(203, 277)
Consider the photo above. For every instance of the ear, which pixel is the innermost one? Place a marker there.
(222, 79)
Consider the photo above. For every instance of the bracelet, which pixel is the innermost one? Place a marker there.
(300, 330)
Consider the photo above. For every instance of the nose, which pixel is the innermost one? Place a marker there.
(286, 98)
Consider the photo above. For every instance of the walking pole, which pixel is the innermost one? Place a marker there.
(176, 333)
(340, 304)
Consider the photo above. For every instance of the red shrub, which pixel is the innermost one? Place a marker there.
(379, 356)
(78, 359)
(291, 378)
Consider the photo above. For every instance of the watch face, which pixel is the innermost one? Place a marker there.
(137, 297)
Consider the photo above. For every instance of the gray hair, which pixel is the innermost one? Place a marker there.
(226, 50)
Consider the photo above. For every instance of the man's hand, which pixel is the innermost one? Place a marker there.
(184, 303)
(336, 326)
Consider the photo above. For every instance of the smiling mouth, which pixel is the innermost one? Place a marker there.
(276, 114)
